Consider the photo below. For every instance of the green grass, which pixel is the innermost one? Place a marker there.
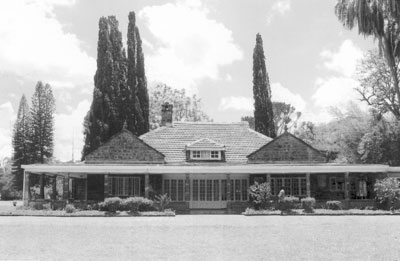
(213, 237)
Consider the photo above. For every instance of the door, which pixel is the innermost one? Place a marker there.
(208, 193)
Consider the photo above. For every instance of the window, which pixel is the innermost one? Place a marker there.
(295, 186)
(244, 189)
(202, 190)
(205, 155)
(175, 189)
(336, 184)
(216, 190)
(224, 189)
(125, 186)
(180, 190)
(195, 195)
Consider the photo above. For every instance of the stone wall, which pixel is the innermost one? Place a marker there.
(286, 149)
(125, 148)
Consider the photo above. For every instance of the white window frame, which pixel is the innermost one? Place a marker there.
(198, 155)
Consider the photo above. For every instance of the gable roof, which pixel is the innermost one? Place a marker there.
(239, 140)
(125, 148)
(286, 148)
(205, 144)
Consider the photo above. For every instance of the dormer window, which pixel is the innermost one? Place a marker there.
(205, 149)
(205, 155)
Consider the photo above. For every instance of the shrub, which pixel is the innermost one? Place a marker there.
(308, 204)
(163, 201)
(136, 204)
(387, 192)
(112, 204)
(288, 203)
(260, 195)
(69, 208)
(334, 205)
(146, 205)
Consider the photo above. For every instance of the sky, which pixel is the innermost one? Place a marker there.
(205, 47)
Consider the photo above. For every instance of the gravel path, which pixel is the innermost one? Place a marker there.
(212, 237)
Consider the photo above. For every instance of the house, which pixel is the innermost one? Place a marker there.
(207, 167)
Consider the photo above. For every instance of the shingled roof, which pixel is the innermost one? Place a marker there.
(205, 143)
(239, 140)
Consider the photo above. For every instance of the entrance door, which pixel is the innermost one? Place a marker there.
(208, 193)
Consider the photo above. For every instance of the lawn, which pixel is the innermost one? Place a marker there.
(229, 237)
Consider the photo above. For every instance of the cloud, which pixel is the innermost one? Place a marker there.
(34, 45)
(279, 94)
(188, 46)
(345, 60)
(68, 130)
(280, 7)
(7, 115)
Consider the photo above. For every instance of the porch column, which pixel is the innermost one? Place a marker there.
(54, 188)
(308, 184)
(66, 187)
(41, 180)
(346, 186)
(146, 186)
(187, 188)
(228, 187)
(106, 186)
(26, 189)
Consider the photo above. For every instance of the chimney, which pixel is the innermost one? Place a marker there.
(166, 114)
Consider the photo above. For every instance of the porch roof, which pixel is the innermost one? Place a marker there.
(207, 169)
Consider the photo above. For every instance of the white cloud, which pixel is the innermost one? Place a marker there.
(236, 103)
(33, 44)
(189, 46)
(7, 115)
(283, 94)
(279, 94)
(345, 60)
(280, 7)
(68, 128)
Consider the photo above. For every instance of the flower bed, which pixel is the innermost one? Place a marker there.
(320, 212)
(82, 213)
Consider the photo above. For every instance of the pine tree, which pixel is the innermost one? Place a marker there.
(21, 136)
(263, 114)
(108, 110)
(138, 102)
(42, 123)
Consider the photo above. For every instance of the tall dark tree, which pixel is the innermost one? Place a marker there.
(263, 113)
(107, 112)
(21, 142)
(138, 98)
(42, 122)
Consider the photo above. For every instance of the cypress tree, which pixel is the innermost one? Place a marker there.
(107, 112)
(21, 142)
(42, 122)
(263, 114)
(138, 102)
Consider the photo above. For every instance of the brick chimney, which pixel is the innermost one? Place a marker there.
(166, 114)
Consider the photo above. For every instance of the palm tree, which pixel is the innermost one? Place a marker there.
(380, 19)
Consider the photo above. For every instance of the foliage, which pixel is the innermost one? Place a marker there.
(333, 204)
(69, 208)
(284, 115)
(260, 194)
(186, 108)
(42, 123)
(8, 190)
(162, 201)
(21, 142)
(288, 203)
(308, 204)
(263, 113)
(136, 204)
(113, 204)
(137, 100)
(380, 19)
(388, 191)
(381, 143)
(377, 84)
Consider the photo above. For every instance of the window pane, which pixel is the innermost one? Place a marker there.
(173, 189)
(278, 185)
(195, 154)
(209, 190)
(295, 186)
(180, 190)
(120, 190)
(288, 186)
(205, 154)
(232, 190)
(202, 190)
(166, 187)
(214, 154)
(303, 186)
(272, 185)
(136, 186)
(223, 190)
(216, 190)
(244, 189)
(195, 189)
(237, 190)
